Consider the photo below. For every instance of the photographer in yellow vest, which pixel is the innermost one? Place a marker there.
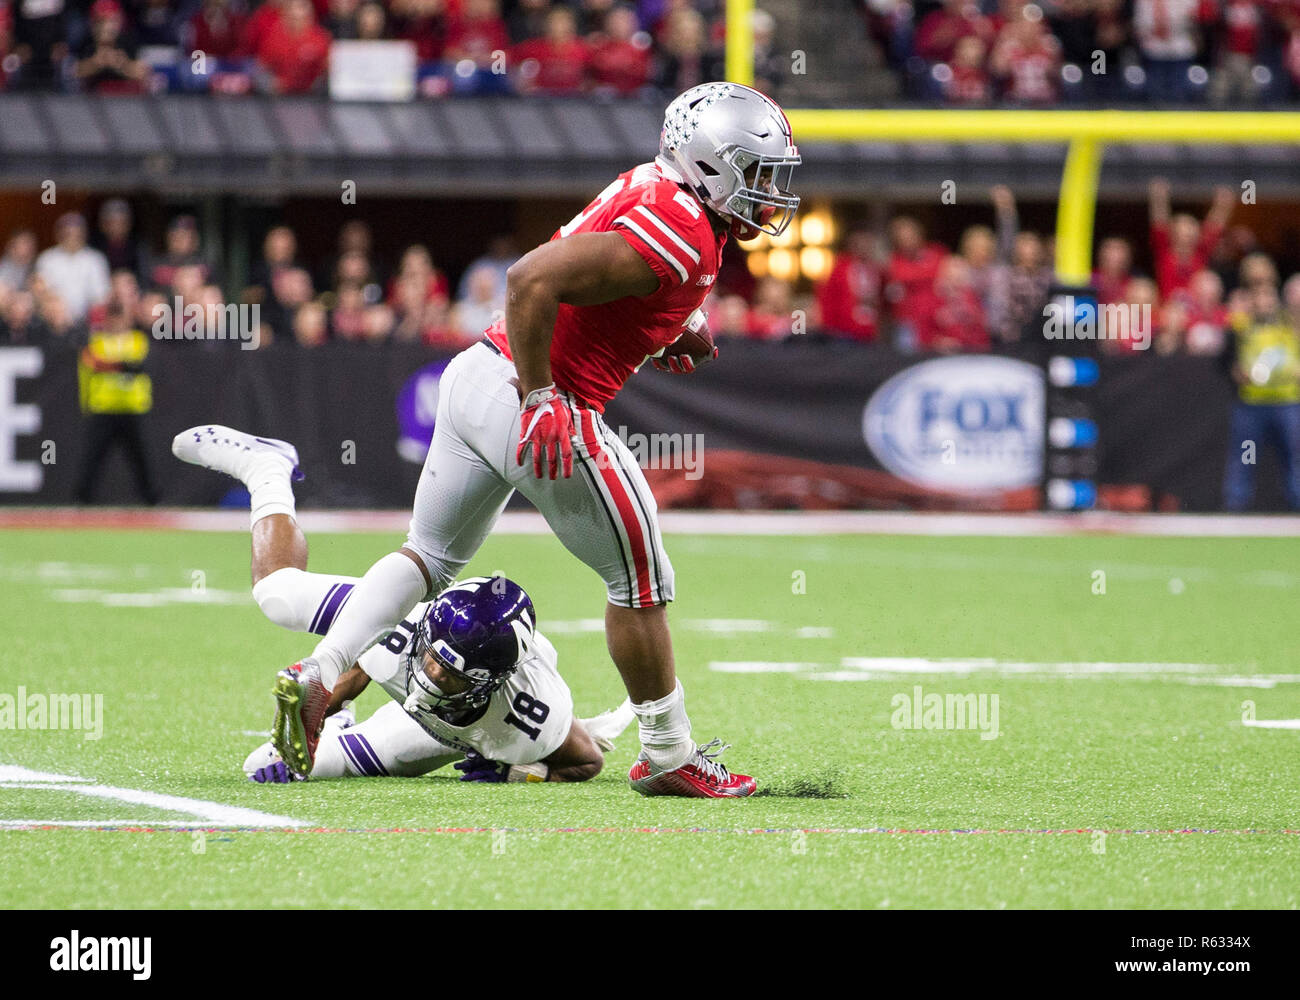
(1265, 362)
(116, 393)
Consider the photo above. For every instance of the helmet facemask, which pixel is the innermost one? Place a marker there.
(763, 203)
(424, 694)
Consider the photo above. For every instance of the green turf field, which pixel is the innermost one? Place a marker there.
(1142, 737)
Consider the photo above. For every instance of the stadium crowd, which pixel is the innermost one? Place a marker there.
(898, 287)
(962, 52)
(283, 46)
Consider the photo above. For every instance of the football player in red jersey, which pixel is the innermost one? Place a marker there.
(521, 410)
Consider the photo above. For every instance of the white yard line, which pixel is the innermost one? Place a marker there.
(852, 669)
(12, 776)
(1272, 723)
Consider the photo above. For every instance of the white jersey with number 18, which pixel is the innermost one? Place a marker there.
(527, 718)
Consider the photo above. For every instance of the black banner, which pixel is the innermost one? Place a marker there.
(766, 425)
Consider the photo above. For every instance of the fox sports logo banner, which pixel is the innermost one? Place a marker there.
(967, 424)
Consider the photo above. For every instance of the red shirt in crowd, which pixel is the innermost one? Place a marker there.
(939, 32)
(850, 297)
(296, 61)
(1172, 274)
(1242, 23)
(950, 323)
(217, 32)
(907, 277)
(476, 38)
(1110, 288)
(561, 66)
(624, 66)
(969, 85)
(1031, 72)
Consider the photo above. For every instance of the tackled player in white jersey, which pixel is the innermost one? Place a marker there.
(472, 679)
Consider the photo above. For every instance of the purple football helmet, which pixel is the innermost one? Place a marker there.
(480, 629)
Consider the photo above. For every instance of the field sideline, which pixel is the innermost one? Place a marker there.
(1132, 762)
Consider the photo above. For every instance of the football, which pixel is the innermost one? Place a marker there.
(695, 341)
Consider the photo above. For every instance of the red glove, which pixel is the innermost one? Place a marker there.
(546, 425)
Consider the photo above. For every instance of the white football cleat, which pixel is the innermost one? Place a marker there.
(224, 449)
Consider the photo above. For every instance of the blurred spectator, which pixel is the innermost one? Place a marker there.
(968, 82)
(379, 324)
(19, 322)
(1114, 269)
(771, 316)
(40, 42)
(372, 22)
(76, 273)
(1232, 248)
(279, 250)
(156, 22)
(1264, 360)
(215, 30)
(940, 30)
(259, 25)
(181, 249)
(116, 392)
(527, 20)
(355, 266)
(107, 60)
(501, 253)
(1168, 35)
(114, 239)
(686, 60)
(1020, 288)
(477, 33)
(849, 298)
(1143, 297)
(1258, 271)
(1238, 38)
(291, 289)
(1207, 316)
(1027, 60)
(479, 308)
(341, 21)
(913, 266)
(19, 259)
(1180, 245)
(621, 59)
(948, 315)
(347, 320)
(294, 51)
(417, 265)
(555, 63)
(423, 23)
(728, 316)
(769, 63)
(591, 15)
(310, 325)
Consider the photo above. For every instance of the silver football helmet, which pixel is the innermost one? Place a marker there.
(733, 147)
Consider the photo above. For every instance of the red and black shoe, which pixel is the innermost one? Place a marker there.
(300, 703)
(701, 777)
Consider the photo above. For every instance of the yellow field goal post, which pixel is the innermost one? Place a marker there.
(1086, 132)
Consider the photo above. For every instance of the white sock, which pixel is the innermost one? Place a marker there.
(302, 601)
(269, 488)
(390, 588)
(665, 730)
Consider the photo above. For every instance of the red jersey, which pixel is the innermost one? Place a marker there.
(595, 349)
